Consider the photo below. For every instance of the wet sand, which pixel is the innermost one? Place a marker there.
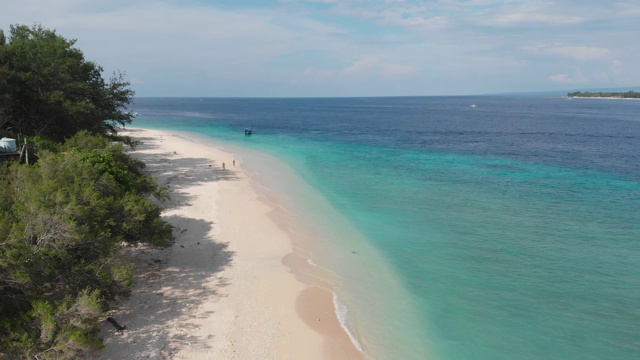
(230, 287)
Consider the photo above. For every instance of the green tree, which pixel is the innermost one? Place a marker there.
(62, 222)
(47, 88)
(623, 95)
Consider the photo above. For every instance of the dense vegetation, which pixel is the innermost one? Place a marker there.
(64, 219)
(47, 87)
(622, 95)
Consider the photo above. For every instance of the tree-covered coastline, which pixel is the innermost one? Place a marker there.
(66, 215)
(620, 95)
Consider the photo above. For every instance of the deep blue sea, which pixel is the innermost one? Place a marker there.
(511, 229)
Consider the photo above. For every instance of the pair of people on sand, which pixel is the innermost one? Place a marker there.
(224, 166)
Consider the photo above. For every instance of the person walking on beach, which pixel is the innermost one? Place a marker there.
(234, 162)
(223, 166)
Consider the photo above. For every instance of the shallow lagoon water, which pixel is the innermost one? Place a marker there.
(509, 229)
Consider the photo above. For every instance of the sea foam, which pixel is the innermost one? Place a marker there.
(311, 262)
(342, 314)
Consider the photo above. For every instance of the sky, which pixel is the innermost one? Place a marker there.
(327, 48)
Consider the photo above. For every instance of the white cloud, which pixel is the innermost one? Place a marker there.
(372, 66)
(319, 73)
(480, 2)
(396, 70)
(418, 22)
(350, 45)
(580, 53)
(560, 78)
(628, 9)
(531, 18)
(361, 66)
(577, 78)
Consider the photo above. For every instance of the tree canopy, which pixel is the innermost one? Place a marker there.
(65, 219)
(62, 222)
(600, 94)
(47, 88)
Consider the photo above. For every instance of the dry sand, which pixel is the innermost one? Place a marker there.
(222, 291)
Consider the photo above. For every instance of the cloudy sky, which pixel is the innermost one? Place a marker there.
(246, 48)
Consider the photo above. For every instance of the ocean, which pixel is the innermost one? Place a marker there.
(486, 227)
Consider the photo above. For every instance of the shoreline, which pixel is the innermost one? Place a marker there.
(602, 97)
(215, 294)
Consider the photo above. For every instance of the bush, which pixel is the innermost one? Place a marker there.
(64, 220)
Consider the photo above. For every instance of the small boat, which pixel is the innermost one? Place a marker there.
(474, 105)
(248, 131)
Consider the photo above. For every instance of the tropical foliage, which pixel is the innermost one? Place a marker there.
(624, 95)
(64, 219)
(47, 87)
(62, 222)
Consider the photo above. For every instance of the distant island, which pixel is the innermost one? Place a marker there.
(615, 95)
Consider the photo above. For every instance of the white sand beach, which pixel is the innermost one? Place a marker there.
(224, 290)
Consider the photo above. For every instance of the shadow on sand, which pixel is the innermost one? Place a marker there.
(171, 284)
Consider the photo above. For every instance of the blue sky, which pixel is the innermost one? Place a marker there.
(349, 47)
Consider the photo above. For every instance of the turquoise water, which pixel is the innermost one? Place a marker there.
(508, 234)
